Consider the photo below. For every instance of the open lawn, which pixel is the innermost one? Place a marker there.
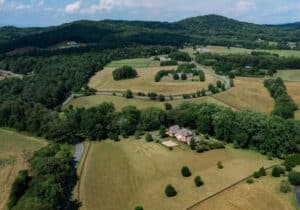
(120, 102)
(263, 194)
(234, 50)
(103, 81)
(293, 89)
(15, 151)
(248, 93)
(289, 75)
(136, 63)
(132, 172)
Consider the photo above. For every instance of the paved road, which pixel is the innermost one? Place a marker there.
(297, 192)
(10, 73)
(78, 152)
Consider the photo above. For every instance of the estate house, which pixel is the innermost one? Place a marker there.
(181, 134)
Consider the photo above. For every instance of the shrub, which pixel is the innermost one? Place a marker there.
(198, 181)
(162, 131)
(192, 144)
(161, 97)
(285, 187)
(292, 161)
(201, 76)
(183, 76)
(220, 165)
(231, 82)
(168, 106)
(170, 191)
(250, 181)
(156, 58)
(277, 171)
(175, 76)
(152, 96)
(149, 137)
(219, 84)
(202, 148)
(256, 174)
(125, 72)
(294, 178)
(185, 171)
(139, 208)
(262, 171)
(128, 94)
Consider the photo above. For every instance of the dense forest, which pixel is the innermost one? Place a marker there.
(202, 30)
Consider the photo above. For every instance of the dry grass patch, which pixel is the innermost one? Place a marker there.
(293, 89)
(16, 149)
(103, 81)
(263, 194)
(248, 93)
(120, 102)
(132, 172)
(289, 75)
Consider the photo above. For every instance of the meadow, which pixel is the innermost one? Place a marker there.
(15, 151)
(103, 81)
(132, 172)
(235, 50)
(289, 75)
(135, 63)
(263, 194)
(293, 89)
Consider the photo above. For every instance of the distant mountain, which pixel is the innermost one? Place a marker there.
(209, 29)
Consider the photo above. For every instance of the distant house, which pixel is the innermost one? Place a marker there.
(181, 134)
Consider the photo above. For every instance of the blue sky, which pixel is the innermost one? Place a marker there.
(53, 12)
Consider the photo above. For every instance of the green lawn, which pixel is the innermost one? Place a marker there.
(289, 75)
(122, 175)
(136, 63)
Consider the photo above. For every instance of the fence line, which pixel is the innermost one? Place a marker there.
(223, 190)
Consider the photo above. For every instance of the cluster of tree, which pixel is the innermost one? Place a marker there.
(168, 63)
(124, 72)
(162, 73)
(292, 161)
(285, 107)
(261, 172)
(180, 56)
(247, 64)
(48, 183)
(209, 145)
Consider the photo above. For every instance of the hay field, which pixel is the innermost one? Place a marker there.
(132, 172)
(263, 194)
(293, 89)
(103, 81)
(289, 75)
(248, 93)
(15, 151)
(120, 102)
(136, 63)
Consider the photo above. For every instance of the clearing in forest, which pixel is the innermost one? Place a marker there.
(133, 172)
(103, 81)
(135, 63)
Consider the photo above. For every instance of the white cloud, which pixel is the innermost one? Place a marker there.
(73, 7)
(20, 6)
(245, 6)
(2, 2)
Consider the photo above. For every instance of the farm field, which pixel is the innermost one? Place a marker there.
(248, 93)
(233, 50)
(136, 173)
(289, 75)
(103, 81)
(135, 63)
(263, 194)
(120, 102)
(15, 150)
(293, 89)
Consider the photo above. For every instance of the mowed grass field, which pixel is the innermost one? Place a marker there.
(289, 75)
(248, 94)
(262, 195)
(293, 89)
(234, 50)
(103, 81)
(133, 172)
(136, 63)
(15, 151)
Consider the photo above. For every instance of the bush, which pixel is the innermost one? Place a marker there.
(128, 94)
(250, 181)
(256, 174)
(219, 84)
(285, 187)
(277, 171)
(168, 106)
(292, 161)
(183, 76)
(185, 171)
(201, 76)
(139, 208)
(161, 97)
(175, 76)
(192, 144)
(152, 96)
(170, 191)
(198, 181)
(202, 148)
(294, 178)
(162, 131)
(125, 72)
(262, 171)
(149, 137)
(220, 165)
